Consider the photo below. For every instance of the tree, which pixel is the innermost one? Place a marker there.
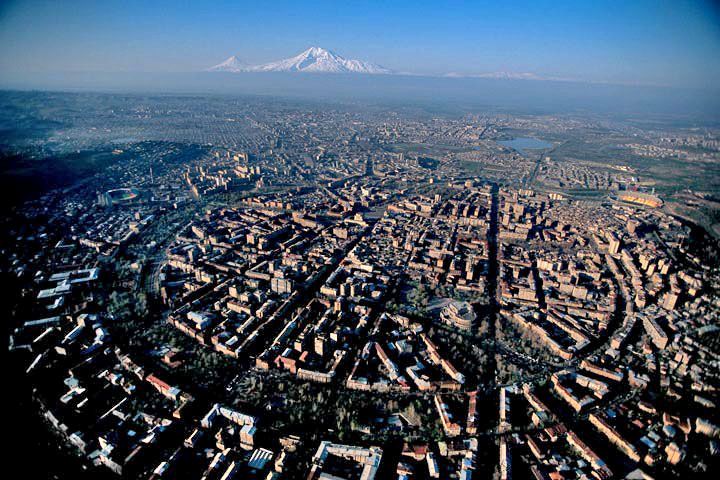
(420, 297)
(141, 305)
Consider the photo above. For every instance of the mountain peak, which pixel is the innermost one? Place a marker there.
(232, 64)
(314, 59)
(317, 51)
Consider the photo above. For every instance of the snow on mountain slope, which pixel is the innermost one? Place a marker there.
(232, 64)
(314, 59)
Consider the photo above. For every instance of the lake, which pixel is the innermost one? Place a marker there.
(521, 144)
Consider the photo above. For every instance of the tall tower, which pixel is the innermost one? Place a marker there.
(152, 178)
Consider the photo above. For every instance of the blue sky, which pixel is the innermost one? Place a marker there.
(673, 43)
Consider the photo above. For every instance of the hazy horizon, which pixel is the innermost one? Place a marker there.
(456, 94)
(640, 43)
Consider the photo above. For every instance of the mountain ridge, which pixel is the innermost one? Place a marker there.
(312, 60)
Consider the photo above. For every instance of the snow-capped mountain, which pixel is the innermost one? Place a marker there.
(232, 64)
(314, 59)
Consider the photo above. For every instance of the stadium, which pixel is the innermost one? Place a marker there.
(118, 196)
